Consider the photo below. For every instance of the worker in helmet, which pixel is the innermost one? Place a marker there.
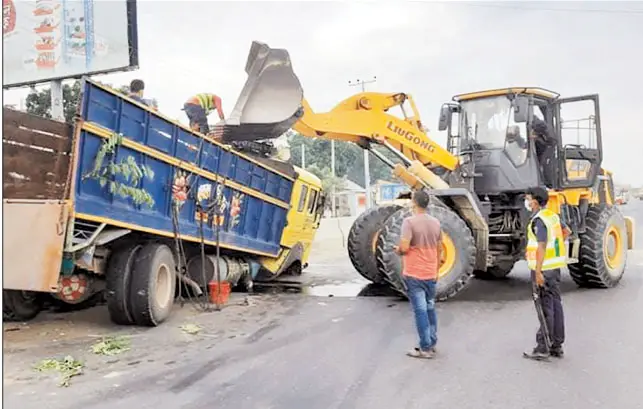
(198, 107)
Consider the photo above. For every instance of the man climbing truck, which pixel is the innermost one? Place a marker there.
(127, 199)
(198, 107)
(477, 182)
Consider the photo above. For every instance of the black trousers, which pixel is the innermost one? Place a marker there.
(546, 163)
(552, 309)
(196, 114)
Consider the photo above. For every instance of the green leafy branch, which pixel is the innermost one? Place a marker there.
(67, 367)
(127, 168)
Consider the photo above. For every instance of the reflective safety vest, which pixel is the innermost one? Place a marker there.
(206, 101)
(556, 251)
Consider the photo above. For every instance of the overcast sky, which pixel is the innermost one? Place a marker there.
(431, 50)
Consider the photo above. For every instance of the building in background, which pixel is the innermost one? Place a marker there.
(351, 200)
(386, 192)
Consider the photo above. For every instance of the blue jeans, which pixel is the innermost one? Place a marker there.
(422, 296)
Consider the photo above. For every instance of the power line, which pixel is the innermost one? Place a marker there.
(568, 10)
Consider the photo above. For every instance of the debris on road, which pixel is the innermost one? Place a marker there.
(111, 346)
(68, 367)
(191, 329)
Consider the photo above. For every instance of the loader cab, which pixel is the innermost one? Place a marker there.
(491, 136)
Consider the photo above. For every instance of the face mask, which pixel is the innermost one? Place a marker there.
(528, 205)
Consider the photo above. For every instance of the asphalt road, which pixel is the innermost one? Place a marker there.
(349, 352)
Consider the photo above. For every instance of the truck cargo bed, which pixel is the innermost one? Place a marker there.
(257, 194)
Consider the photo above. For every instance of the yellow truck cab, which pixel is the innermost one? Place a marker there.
(306, 209)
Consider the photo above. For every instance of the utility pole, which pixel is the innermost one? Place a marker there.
(57, 108)
(333, 211)
(367, 173)
(303, 156)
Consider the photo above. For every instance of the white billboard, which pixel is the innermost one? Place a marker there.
(55, 39)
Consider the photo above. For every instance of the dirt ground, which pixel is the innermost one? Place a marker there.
(56, 335)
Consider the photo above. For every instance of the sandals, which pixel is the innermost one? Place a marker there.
(418, 353)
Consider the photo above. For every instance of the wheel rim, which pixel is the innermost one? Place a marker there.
(374, 242)
(613, 247)
(163, 286)
(447, 255)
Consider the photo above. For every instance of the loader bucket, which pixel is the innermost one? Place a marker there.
(270, 102)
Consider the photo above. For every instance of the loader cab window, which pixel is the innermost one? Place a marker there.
(302, 198)
(489, 123)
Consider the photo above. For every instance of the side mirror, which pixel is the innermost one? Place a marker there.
(445, 117)
(521, 109)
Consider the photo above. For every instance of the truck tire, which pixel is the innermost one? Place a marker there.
(458, 252)
(20, 305)
(603, 249)
(495, 272)
(118, 279)
(362, 241)
(153, 285)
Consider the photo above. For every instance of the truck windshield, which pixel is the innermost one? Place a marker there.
(486, 121)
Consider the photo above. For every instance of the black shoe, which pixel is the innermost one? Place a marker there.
(537, 355)
(557, 352)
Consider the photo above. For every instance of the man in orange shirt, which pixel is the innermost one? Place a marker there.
(420, 249)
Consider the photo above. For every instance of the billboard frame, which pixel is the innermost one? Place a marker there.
(132, 42)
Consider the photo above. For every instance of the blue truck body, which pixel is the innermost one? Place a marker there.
(167, 148)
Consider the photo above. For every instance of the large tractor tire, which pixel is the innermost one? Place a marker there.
(362, 241)
(498, 272)
(20, 305)
(153, 285)
(458, 252)
(603, 249)
(118, 279)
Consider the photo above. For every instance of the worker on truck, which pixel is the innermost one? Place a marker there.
(136, 91)
(198, 107)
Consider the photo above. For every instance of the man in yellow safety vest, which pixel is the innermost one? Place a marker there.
(198, 107)
(546, 254)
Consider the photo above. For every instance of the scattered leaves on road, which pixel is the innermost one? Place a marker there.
(191, 329)
(111, 346)
(68, 367)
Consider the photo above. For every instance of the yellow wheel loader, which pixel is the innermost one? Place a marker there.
(477, 182)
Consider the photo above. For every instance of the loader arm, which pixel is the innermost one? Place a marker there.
(364, 119)
(272, 101)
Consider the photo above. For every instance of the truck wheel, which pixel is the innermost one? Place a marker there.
(458, 252)
(495, 272)
(603, 249)
(20, 305)
(118, 279)
(153, 283)
(362, 241)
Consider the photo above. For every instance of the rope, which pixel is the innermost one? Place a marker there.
(202, 304)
